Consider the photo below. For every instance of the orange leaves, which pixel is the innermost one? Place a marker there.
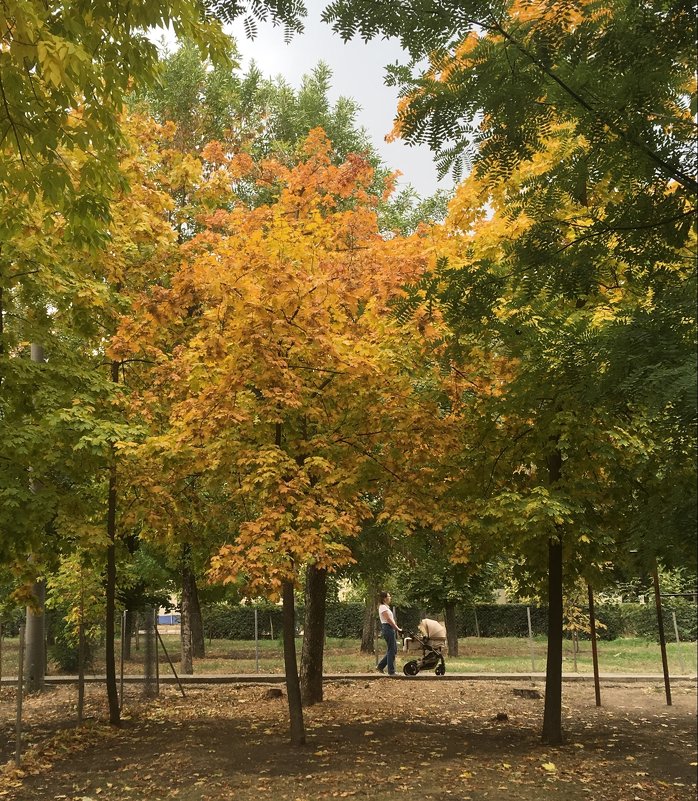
(278, 368)
(214, 153)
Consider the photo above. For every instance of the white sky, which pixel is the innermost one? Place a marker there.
(358, 72)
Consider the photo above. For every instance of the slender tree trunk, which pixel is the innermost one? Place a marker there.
(35, 634)
(451, 629)
(187, 664)
(660, 627)
(368, 634)
(198, 646)
(594, 650)
(191, 611)
(35, 639)
(110, 632)
(552, 715)
(293, 689)
(81, 668)
(314, 635)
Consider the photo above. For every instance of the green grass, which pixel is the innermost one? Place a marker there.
(477, 655)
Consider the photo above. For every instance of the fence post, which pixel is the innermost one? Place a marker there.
(20, 696)
(81, 670)
(256, 642)
(477, 624)
(1, 636)
(678, 643)
(530, 640)
(121, 660)
(662, 639)
(157, 652)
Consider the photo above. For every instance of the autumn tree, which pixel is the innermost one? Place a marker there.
(63, 84)
(275, 328)
(594, 181)
(567, 440)
(69, 296)
(428, 577)
(263, 118)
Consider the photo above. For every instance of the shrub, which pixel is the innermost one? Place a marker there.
(345, 620)
(501, 620)
(233, 622)
(64, 652)
(11, 621)
(685, 619)
(342, 620)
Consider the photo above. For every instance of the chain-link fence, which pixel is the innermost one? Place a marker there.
(492, 638)
(77, 657)
(513, 638)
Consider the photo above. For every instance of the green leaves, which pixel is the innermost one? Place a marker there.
(500, 74)
(63, 88)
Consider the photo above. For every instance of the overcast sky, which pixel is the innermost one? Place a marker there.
(358, 72)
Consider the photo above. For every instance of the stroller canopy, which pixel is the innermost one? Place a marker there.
(432, 629)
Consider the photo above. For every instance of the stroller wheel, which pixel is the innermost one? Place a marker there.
(440, 670)
(411, 668)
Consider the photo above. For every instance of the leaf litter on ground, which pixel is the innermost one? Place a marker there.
(437, 740)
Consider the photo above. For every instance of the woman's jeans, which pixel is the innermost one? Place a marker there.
(391, 644)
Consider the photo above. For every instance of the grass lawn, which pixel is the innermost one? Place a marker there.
(476, 655)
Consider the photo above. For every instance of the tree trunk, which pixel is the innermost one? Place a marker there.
(451, 629)
(552, 715)
(368, 634)
(198, 646)
(35, 633)
(660, 628)
(35, 639)
(191, 611)
(313, 635)
(187, 664)
(110, 600)
(293, 689)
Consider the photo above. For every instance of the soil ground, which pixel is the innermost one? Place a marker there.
(384, 739)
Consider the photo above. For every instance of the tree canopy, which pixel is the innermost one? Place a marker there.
(224, 338)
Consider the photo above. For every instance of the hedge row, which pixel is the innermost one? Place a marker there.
(640, 620)
(624, 620)
(345, 620)
(227, 622)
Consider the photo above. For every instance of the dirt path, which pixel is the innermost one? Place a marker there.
(377, 740)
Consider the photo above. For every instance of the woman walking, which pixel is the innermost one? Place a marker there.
(390, 630)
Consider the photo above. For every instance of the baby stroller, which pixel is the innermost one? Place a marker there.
(432, 640)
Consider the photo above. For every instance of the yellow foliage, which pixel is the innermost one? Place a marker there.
(279, 368)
